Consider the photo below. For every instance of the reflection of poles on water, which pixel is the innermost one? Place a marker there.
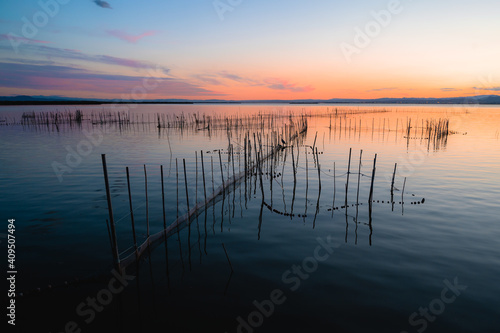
(256, 163)
(257, 168)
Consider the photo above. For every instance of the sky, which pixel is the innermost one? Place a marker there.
(249, 49)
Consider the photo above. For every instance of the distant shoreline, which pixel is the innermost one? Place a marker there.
(395, 102)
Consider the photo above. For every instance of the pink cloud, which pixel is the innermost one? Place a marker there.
(280, 84)
(52, 52)
(65, 78)
(130, 38)
(22, 39)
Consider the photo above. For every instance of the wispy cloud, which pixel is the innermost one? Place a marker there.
(209, 79)
(22, 39)
(450, 89)
(488, 89)
(67, 78)
(382, 89)
(238, 78)
(279, 84)
(225, 78)
(102, 4)
(29, 61)
(69, 54)
(130, 38)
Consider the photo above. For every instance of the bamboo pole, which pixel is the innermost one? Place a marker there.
(177, 186)
(203, 173)
(319, 170)
(259, 162)
(403, 192)
(132, 210)
(334, 188)
(164, 220)
(185, 183)
(232, 160)
(314, 144)
(147, 201)
(359, 176)
(116, 256)
(212, 162)
(348, 173)
(307, 171)
(221, 171)
(245, 153)
(370, 200)
(196, 182)
(393, 178)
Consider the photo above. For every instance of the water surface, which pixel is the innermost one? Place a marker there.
(384, 266)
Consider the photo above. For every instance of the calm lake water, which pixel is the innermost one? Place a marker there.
(429, 265)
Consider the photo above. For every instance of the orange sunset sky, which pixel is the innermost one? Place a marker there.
(249, 49)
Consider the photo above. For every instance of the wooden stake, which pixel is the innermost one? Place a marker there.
(359, 176)
(403, 192)
(393, 178)
(132, 210)
(319, 170)
(147, 201)
(177, 186)
(307, 170)
(348, 173)
(222, 173)
(334, 188)
(370, 200)
(196, 186)
(314, 144)
(185, 184)
(203, 173)
(259, 162)
(245, 151)
(212, 162)
(111, 218)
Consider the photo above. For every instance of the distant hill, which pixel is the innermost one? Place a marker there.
(58, 100)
